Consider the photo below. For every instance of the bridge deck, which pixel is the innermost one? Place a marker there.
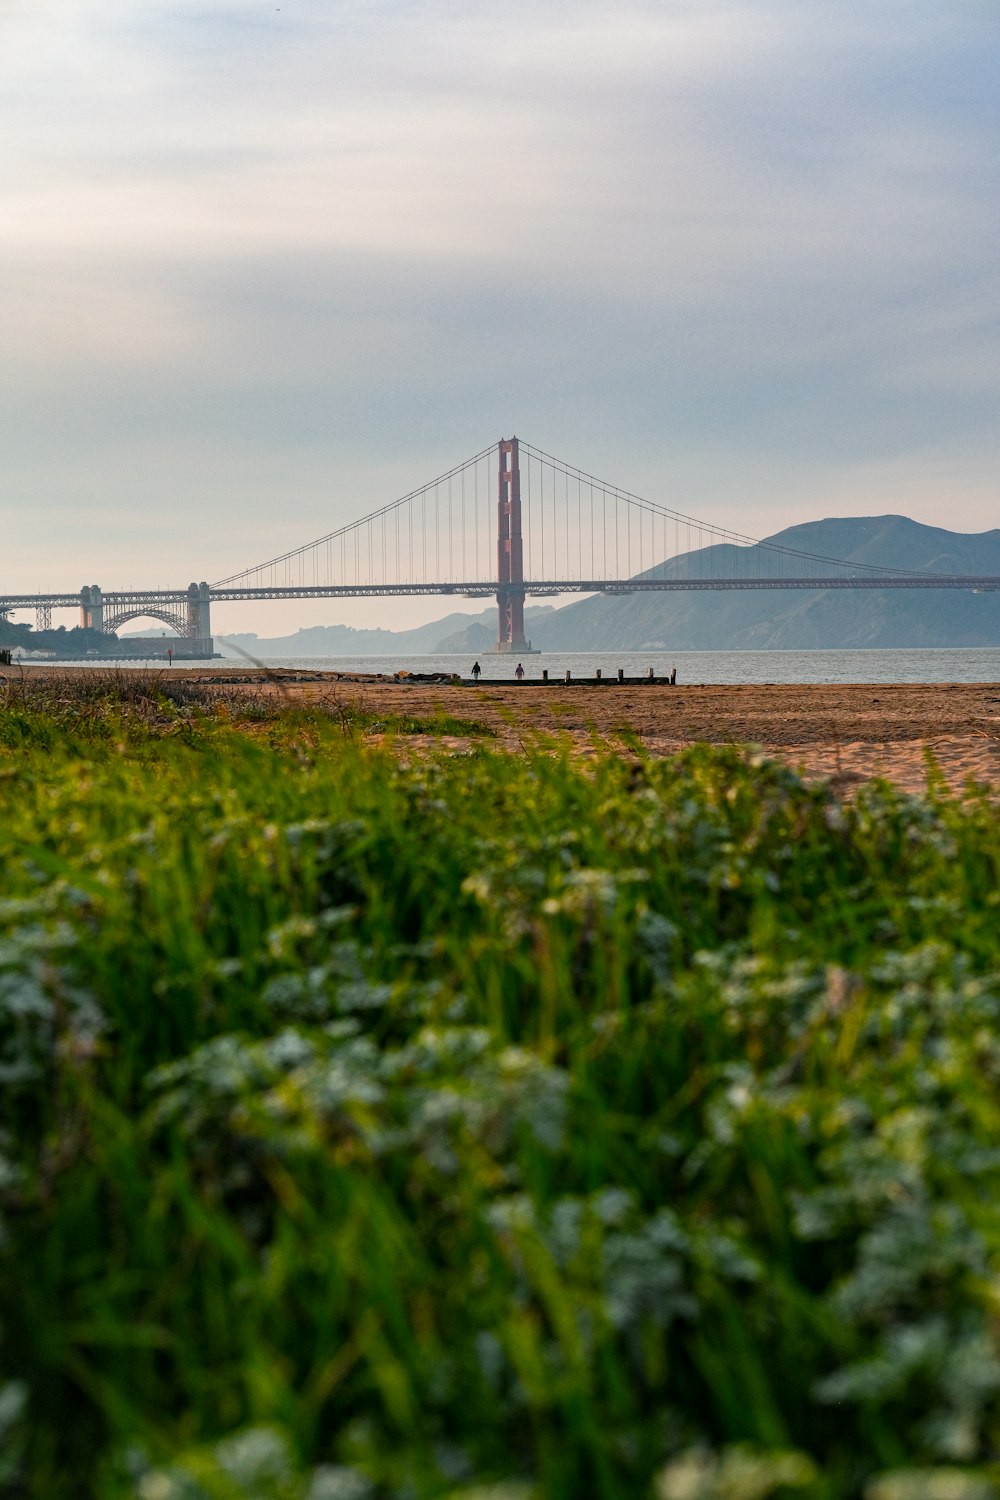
(987, 583)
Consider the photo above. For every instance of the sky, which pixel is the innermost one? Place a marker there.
(264, 268)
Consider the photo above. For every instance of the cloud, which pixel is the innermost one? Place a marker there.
(743, 251)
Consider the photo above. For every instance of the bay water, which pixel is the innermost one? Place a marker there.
(930, 664)
(963, 664)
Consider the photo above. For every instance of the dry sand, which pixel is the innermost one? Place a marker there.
(852, 733)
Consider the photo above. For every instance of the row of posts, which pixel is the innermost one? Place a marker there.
(599, 675)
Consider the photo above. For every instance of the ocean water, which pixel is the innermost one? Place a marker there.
(951, 664)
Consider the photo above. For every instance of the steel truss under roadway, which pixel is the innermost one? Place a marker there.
(488, 590)
(986, 584)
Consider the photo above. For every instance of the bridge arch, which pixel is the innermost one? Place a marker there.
(175, 618)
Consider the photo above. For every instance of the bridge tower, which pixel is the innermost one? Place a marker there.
(510, 552)
(199, 613)
(92, 608)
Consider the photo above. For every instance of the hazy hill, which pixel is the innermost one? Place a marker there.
(802, 619)
(455, 632)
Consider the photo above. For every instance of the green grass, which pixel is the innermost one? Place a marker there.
(487, 1126)
(106, 702)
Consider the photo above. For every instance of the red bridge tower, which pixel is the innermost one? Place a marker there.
(510, 552)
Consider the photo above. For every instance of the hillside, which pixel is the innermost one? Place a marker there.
(797, 620)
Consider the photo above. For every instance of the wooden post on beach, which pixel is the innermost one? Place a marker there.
(650, 674)
(621, 674)
(545, 674)
(567, 676)
(598, 674)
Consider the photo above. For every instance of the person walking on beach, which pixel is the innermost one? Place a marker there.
(519, 671)
(476, 669)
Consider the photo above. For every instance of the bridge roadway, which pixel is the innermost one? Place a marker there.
(986, 583)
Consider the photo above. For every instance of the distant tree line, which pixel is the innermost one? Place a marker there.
(74, 642)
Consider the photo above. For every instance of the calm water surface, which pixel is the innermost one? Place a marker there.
(961, 664)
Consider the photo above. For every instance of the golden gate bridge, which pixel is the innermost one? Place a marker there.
(510, 523)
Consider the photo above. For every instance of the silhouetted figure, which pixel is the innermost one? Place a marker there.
(519, 671)
(476, 669)
(673, 677)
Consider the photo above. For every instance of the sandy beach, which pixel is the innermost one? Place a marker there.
(851, 733)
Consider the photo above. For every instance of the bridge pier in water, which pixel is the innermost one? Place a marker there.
(189, 613)
(510, 553)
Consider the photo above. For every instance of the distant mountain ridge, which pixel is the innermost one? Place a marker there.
(769, 620)
(807, 619)
(437, 638)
